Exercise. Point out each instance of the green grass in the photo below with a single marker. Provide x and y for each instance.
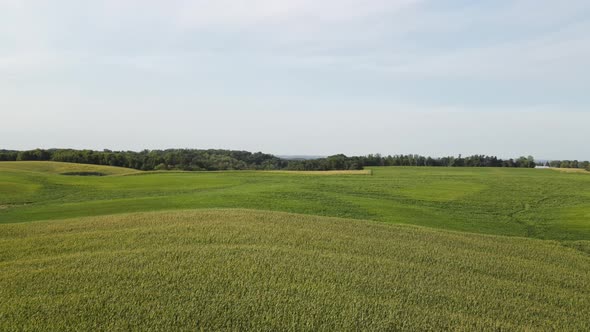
(59, 168)
(293, 250)
(259, 270)
(518, 202)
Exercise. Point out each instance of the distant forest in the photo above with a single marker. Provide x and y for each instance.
(217, 160)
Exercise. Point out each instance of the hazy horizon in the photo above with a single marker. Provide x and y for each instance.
(298, 156)
(436, 78)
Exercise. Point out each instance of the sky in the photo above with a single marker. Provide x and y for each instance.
(306, 77)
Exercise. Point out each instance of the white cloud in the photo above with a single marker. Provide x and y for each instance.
(231, 12)
(559, 55)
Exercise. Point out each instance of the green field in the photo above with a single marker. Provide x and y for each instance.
(392, 249)
(519, 202)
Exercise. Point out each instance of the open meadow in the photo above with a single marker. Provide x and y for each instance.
(393, 248)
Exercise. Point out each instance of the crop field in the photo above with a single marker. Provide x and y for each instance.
(243, 269)
(87, 247)
(519, 202)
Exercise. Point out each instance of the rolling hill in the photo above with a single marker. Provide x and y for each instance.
(259, 270)
(395, 248)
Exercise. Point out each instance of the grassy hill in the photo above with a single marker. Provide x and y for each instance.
(86, 247)
(518, 202)
(261, 270)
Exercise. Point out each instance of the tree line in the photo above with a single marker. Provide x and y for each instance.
(568, 164)
(358, 162)
(217, 160)
(149, 160)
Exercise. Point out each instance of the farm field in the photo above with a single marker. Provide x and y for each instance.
(235, 269)
(518, 202)
(86, 247)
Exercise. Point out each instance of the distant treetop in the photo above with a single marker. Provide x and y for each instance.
(215, 160)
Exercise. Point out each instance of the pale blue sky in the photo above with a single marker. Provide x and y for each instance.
(496, 77)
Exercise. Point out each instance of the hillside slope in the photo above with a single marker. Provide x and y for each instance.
(243, 269)
(53, 167)
(521, 202)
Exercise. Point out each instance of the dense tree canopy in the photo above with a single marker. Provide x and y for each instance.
(213, 160)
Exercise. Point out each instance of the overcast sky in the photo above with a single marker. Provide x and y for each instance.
(502, 77)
